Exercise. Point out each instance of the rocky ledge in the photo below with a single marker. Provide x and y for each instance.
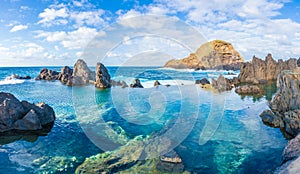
(260, 71)
(284, 113)
(16, 115)
(290, 157)
(216, 54)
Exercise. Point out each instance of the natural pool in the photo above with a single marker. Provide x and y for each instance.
(237, 140)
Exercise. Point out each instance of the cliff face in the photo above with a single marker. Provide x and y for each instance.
(285, 114)
(212, 55)
(258, 70)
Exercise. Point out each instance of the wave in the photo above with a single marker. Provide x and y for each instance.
(10, 80)
(199, 71)
(180, 70)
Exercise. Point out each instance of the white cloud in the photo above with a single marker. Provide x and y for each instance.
(18, 28)
(92, 18)
(76, 39)
(53, 16)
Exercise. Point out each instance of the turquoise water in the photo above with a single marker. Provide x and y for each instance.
(238, 142)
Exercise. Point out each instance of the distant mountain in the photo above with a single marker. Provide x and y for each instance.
(216, 54)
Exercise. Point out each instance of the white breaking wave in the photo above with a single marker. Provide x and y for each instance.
(11, 81)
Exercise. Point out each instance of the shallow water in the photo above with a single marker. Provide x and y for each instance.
(223, 132)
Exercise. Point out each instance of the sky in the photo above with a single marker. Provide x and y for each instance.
(149, 32)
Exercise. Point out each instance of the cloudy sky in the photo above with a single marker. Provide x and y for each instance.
(57, 32)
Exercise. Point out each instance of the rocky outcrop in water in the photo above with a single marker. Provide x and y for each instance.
(156, 83)
(102, 77)
(216, 54)
(259, 71)
(47, 74)
(136, 84)
(16, 76)
(81, 74)
(203, 81)
(65, 74)
(222, 83)
(286, 103)
(16, 115)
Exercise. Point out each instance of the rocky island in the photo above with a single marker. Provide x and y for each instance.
(216, 54)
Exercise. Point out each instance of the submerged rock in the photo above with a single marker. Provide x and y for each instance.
(102, 77)
(47, 74)
(134, 157)
(248, 89)
(259, 71)
(136, 84)
(16, 115)
(171, 157)
(216, 54)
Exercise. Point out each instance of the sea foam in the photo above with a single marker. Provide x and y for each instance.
(11, 81)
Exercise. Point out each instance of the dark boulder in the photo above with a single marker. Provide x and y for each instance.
(203, 81)
(16, 115)
(156, 83)
(136, 84)
(102, 77)
(65, 74)
(47, 74)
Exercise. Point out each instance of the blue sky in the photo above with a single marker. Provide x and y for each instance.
(47, 32)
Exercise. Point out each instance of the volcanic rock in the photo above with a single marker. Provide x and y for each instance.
(102, 77)
(259, 71)
(203, 81)
(47, 74)
(16, 115)
(136, 84)
(216, 54)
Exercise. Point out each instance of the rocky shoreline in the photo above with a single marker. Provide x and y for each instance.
(284, 111)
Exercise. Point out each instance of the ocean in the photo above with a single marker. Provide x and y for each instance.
(223, 134)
